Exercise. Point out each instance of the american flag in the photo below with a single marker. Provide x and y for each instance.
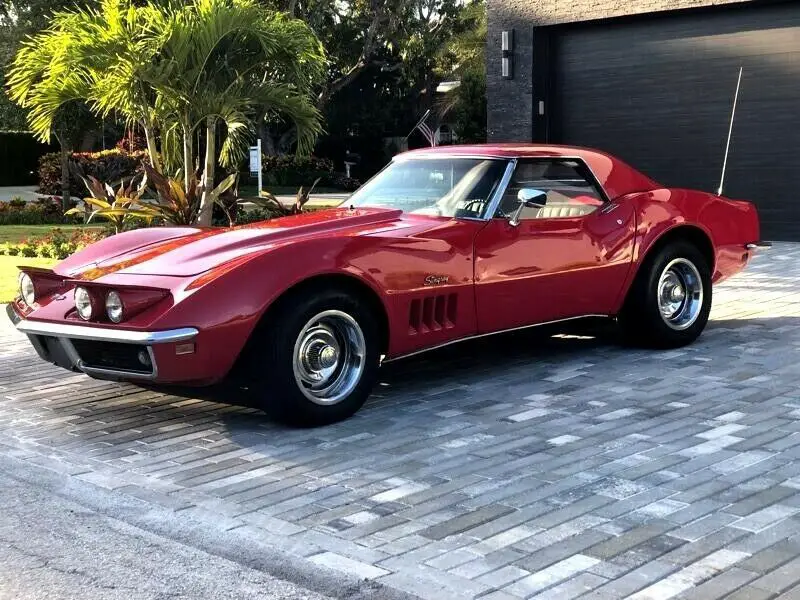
(425, 130)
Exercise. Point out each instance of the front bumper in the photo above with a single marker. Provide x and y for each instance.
(759, 245)
(103, 353)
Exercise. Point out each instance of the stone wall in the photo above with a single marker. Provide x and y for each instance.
(510, 115)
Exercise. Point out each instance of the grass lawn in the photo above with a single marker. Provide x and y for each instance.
(9, 273)
(17, 233)
(250, 190)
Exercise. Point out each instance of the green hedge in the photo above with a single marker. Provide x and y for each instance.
(46, 211)
(293, 171)
(108, 166)
(19, 155)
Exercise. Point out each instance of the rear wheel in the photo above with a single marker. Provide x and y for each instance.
(670, 300)
(316, 359)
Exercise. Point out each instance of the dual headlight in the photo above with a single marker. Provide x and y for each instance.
(84, 303)
(86, 307)
(26, 289)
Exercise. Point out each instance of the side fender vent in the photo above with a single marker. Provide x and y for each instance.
(432, 313)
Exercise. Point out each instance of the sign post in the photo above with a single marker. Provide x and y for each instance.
(255, 163)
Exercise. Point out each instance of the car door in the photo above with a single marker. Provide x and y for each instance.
(565, 259)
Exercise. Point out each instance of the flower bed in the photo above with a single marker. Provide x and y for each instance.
(56, 244)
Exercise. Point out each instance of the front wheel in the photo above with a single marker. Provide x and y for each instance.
(316, 359)
(670, 300)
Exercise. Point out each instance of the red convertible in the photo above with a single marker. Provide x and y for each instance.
(443, 245)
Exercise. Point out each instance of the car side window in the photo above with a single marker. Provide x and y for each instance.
(570, 189)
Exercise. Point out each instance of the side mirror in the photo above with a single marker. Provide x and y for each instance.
(528, 198)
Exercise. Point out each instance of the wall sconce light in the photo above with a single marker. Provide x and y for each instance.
(507, 68)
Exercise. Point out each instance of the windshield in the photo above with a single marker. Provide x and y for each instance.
(440, 187)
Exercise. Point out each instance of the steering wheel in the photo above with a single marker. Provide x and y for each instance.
(472, 207)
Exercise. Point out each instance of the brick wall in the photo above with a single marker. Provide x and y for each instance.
(511, 101)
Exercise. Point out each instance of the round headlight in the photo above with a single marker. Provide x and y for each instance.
(114, 308)
(27, 289)
(83, 303)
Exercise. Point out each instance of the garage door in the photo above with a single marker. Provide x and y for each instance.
(658, 92)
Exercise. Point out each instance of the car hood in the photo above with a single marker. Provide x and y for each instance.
(187, 251)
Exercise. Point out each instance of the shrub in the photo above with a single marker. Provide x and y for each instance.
(348, 184)
(288, 169)
(109, 165)
(27, 249)
(132, 141)
(17, 202)
(45, 212)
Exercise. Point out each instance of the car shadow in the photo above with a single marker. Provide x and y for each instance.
(438, 380)
(426, 373)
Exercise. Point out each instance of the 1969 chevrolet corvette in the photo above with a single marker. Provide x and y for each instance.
(442, 245)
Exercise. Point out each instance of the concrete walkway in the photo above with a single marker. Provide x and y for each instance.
(26, 192)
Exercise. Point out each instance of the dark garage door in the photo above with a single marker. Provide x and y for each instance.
(658, 92)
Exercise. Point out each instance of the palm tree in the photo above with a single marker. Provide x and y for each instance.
(94, 55)
(230, 62)
(176, 68)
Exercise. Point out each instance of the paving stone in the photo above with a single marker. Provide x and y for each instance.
(348, 565)
(560, 571)
(719, 586)
(690, 576)
(465, 522)
(566, 467)
(629, 539)
(704, 526)
(780, 579)
(772, 557)
(765, 517)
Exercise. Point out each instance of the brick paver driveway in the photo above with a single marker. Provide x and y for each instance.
(514, 468)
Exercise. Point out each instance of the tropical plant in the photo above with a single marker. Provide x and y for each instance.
(270, 205)
(176, 69)
(118, 206)
(179, 205)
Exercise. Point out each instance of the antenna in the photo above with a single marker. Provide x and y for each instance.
(730, 133)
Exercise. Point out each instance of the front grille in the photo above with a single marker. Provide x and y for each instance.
(113, 355)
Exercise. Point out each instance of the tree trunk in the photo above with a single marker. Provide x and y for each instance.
(188, 159)
(207, 202)
(152, 151)
(66, 196)
(267, 139)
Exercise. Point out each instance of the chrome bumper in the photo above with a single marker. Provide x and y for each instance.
(54, 343)
(758, 245)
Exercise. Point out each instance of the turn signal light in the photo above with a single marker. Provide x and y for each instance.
(184, 349)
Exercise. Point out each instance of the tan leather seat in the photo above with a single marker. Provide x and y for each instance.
(555, 211)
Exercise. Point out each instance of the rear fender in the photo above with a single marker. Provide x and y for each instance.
(720, 227)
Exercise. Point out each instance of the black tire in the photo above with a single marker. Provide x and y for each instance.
(270, 365)
(641, 320)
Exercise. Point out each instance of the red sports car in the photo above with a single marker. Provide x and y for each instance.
(443, 245)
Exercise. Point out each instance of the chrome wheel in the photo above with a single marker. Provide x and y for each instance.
(329, 357)
(680, 294)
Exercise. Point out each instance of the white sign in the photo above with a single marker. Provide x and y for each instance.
(255, 160)
(255, 163)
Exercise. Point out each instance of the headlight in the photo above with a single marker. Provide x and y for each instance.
(83, 303)
(27, 289)
(114, 308)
